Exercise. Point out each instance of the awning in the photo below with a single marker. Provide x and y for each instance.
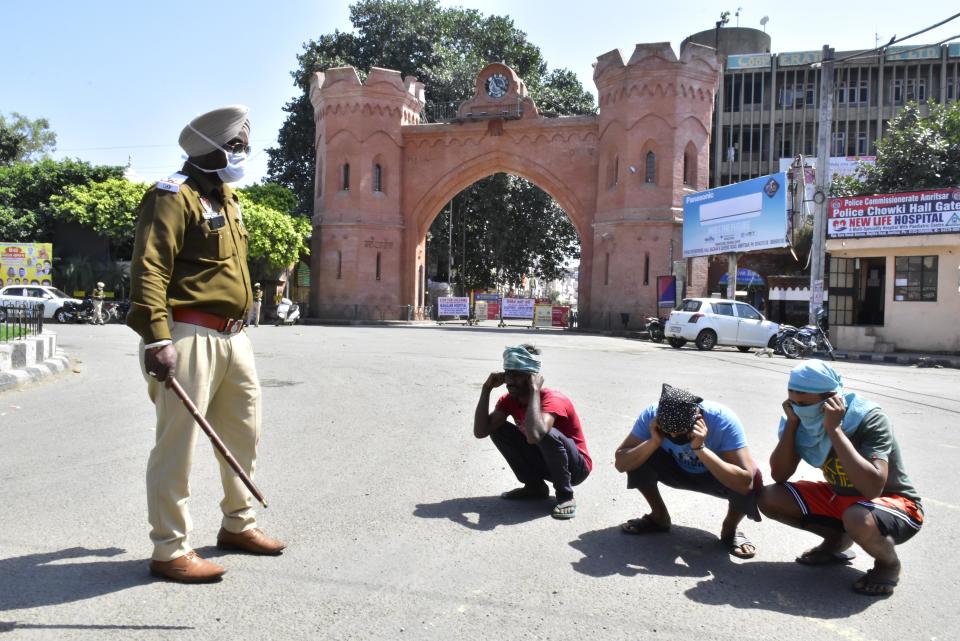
(745, 278)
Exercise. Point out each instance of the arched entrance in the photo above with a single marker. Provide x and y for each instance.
(382, 176)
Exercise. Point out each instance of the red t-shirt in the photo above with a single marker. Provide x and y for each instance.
(565, 417)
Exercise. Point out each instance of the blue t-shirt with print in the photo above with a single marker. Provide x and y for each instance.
(724, 434)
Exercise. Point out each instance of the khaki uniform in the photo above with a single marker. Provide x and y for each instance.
(255, 310)
(98, 305)
(191, 252)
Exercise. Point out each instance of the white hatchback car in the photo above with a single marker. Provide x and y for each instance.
(51, 297)
(718, 321)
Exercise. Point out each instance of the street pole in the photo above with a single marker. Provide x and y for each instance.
(450, 245)
(818, 245)
(732, 275)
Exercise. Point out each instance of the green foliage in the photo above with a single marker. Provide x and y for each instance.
(917, 153)
(276, 239)
(271, 195)
(23, 140)
(108, 207)
(26, 190)
(445, 48)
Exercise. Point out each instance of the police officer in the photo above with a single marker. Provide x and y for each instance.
(257, 302)
(98, 304)
(190, 295)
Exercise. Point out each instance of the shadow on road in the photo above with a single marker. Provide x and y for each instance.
(778, 586)
(52, 578)
(490, 511)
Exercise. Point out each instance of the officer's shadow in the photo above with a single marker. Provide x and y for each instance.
(484, 512)
(780, 586)
(52, 578)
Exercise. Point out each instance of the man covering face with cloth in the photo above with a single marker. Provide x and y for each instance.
(545, 440)
(190, 295)
(866, 498)
(688, 443)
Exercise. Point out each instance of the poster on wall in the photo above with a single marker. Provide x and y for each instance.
(26, 264)
(901, 214)
(666, 291)
(743, 217)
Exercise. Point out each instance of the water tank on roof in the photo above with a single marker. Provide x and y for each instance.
(731, 41)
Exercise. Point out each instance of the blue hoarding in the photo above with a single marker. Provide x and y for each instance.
(746, 216)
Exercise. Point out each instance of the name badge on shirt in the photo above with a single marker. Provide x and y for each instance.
(215, 220)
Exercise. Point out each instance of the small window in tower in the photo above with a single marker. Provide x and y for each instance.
(377, 178)
(650, 176)
(345, 179)
(339, 265)
(378, 265)
(646, 268)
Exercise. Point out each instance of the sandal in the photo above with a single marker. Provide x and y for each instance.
(644, 525)
(565, 510)
(816, 556)
(527, 493)
(872, 584)
(735, 545)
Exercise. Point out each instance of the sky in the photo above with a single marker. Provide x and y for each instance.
(118, 80)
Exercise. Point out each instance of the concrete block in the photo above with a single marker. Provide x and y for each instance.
(40, 345)
(6, 355)
(18, 358)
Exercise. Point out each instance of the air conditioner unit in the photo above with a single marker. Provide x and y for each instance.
(731, 209)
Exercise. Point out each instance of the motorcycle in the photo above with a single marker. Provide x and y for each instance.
(655, 329)
(808, 339)
(288, 312)
(118, 312)
(72, 312)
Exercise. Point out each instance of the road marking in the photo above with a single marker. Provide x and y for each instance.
(941, 503)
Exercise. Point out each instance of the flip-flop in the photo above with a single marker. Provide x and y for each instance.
(870, 580)
(822, 557)
(526, 493)
(644, 525)
(565, 510)
(735, 543)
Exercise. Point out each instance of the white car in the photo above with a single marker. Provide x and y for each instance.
(51, 297)
(709, 322)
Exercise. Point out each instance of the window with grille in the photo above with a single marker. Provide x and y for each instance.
(915, 278)
(650, 175)
(377, 178)
(841, 285)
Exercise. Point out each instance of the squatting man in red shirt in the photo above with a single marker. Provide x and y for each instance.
(545, 440)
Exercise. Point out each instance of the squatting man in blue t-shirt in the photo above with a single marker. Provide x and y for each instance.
(691, 444)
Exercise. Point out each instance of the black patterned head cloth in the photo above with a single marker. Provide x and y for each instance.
(677, 411)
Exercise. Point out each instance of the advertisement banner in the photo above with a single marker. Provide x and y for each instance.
(453, 306)
(744, 217)
(518, 308)
(561, 315)
(543, 316)
(493, 311)
(902, 214)
(480, 310)
(666, 291)
(494, 297)
(26, 264)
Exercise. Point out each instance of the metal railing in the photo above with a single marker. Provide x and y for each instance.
(356, 312)
(20, 320)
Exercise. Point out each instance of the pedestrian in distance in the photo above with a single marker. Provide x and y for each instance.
(865, 498)
(190, 297)
(257, 303)
(544, 442)
(98, 297)
(691, 444)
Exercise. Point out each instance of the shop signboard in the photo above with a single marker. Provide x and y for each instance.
(900, 214)
(743, 217)
(543, 315)
(26, 264)
(749, 61)
(561, 315)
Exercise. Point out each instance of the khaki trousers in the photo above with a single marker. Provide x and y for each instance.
(98, 311)
(255, 314)
(218, 372)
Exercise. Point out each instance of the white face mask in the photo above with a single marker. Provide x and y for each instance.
(236, 163)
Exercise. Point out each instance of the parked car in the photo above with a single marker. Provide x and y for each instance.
(51, 297)
(709, 322)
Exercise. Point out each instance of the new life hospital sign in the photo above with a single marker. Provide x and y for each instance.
(902, 214)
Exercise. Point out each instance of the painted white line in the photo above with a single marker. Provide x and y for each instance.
(940, 503)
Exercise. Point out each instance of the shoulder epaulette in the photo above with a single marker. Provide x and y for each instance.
(171, 183)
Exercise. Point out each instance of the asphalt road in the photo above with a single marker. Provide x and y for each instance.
(390, 507)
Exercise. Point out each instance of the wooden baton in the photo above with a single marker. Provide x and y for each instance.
(217, 443)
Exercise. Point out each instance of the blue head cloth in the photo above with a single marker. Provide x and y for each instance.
(813, 444)
(519, 359)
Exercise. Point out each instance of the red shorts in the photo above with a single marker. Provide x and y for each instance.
(896, 516)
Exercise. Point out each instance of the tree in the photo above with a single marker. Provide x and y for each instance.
(107, 207)
(26, 189)
(277, 239)
(444, 48)
(917, 153)
(273, 196)
(22, 139)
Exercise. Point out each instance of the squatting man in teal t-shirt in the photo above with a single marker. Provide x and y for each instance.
(688, 443)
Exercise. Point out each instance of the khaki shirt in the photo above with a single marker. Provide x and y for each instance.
(181, 259)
